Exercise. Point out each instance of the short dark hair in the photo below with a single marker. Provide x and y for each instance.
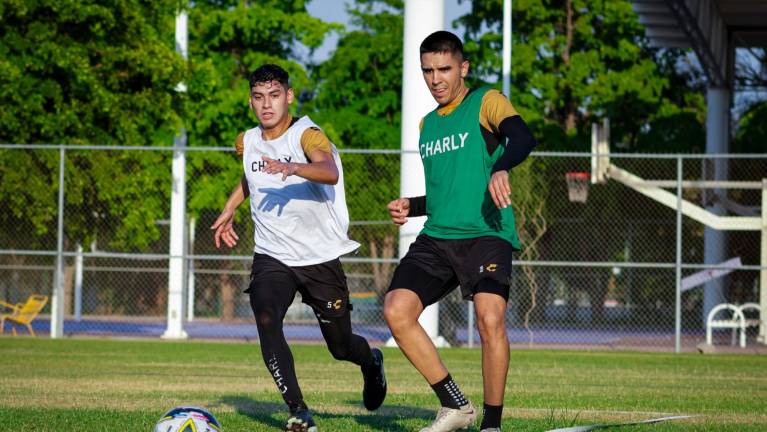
(442, 42)
(268, 73)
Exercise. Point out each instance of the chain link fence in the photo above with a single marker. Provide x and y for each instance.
(611, 272)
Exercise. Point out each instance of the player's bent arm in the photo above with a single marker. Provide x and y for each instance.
(499, 116)
(321, 168)
(417, 206)
(318, 149)
(521, 143)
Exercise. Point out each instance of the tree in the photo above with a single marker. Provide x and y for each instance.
(86, 73)
(751, 136)
(358, 103)
(578, 61)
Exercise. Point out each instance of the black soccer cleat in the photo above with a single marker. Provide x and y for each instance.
(374, 392)
(301, 421)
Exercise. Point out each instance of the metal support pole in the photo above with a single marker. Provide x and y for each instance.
(717, 142)
(190, 274)
(470, 329)
(678, 278)
(763, 271)
(175, 329)
(57, 299)
(79, 284)
(507, 48)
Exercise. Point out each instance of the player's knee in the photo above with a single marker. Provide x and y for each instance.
(397, 317)
(491, 323)
(401, 309)
(339, 351)
(265, 320)
(391, 314)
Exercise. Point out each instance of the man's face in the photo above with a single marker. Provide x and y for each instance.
(270, 101)
(444, 74)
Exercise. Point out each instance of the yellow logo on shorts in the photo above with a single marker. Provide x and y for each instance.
(337, 304)
(491, 267)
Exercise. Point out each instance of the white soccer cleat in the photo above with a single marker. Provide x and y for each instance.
(451, 419)
(491, 430)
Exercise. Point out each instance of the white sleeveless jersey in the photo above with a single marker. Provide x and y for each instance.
(297, 221)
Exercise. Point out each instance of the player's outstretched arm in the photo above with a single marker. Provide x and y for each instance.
(224, 225)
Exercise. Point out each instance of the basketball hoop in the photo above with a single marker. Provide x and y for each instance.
(577, 186)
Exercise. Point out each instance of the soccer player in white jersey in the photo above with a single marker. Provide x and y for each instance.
(294, 178)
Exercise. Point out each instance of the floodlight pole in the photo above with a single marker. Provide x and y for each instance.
(422, 17)
(175, 328)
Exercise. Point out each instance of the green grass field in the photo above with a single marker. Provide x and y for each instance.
(108, 385)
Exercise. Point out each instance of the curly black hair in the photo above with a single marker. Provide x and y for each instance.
(268, 73)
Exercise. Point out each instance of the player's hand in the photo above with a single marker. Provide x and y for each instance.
(274, 166)
(499, 189)
(224, 229)
(398, 210)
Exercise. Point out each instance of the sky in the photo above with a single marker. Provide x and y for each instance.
(335, 11)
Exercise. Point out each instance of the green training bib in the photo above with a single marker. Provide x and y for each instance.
(457, 169)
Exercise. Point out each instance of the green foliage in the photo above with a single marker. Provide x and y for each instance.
(567, 74)
(751, 136)
(88, 73)
(358, 103)
(78, 72)
(82, 72)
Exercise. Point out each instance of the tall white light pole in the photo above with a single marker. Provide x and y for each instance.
(422, 18)
(175, 328)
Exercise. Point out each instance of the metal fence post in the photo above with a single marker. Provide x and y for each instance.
(470, 325)
(79, 284)
(678, 278)
(57, 299)
(763, 263)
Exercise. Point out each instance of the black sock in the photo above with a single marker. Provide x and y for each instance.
(449, 394)
(491, 416)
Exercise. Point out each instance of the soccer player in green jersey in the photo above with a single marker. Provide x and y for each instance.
(467, 146)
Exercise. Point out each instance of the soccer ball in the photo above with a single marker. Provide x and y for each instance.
(187, 419)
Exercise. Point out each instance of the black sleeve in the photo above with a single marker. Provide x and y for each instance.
(521, 143)
(417, 206)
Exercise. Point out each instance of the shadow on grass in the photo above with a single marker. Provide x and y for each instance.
(387, 418)
(260, 412)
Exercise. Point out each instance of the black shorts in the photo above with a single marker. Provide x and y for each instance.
(433, 267)
(322, 286)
